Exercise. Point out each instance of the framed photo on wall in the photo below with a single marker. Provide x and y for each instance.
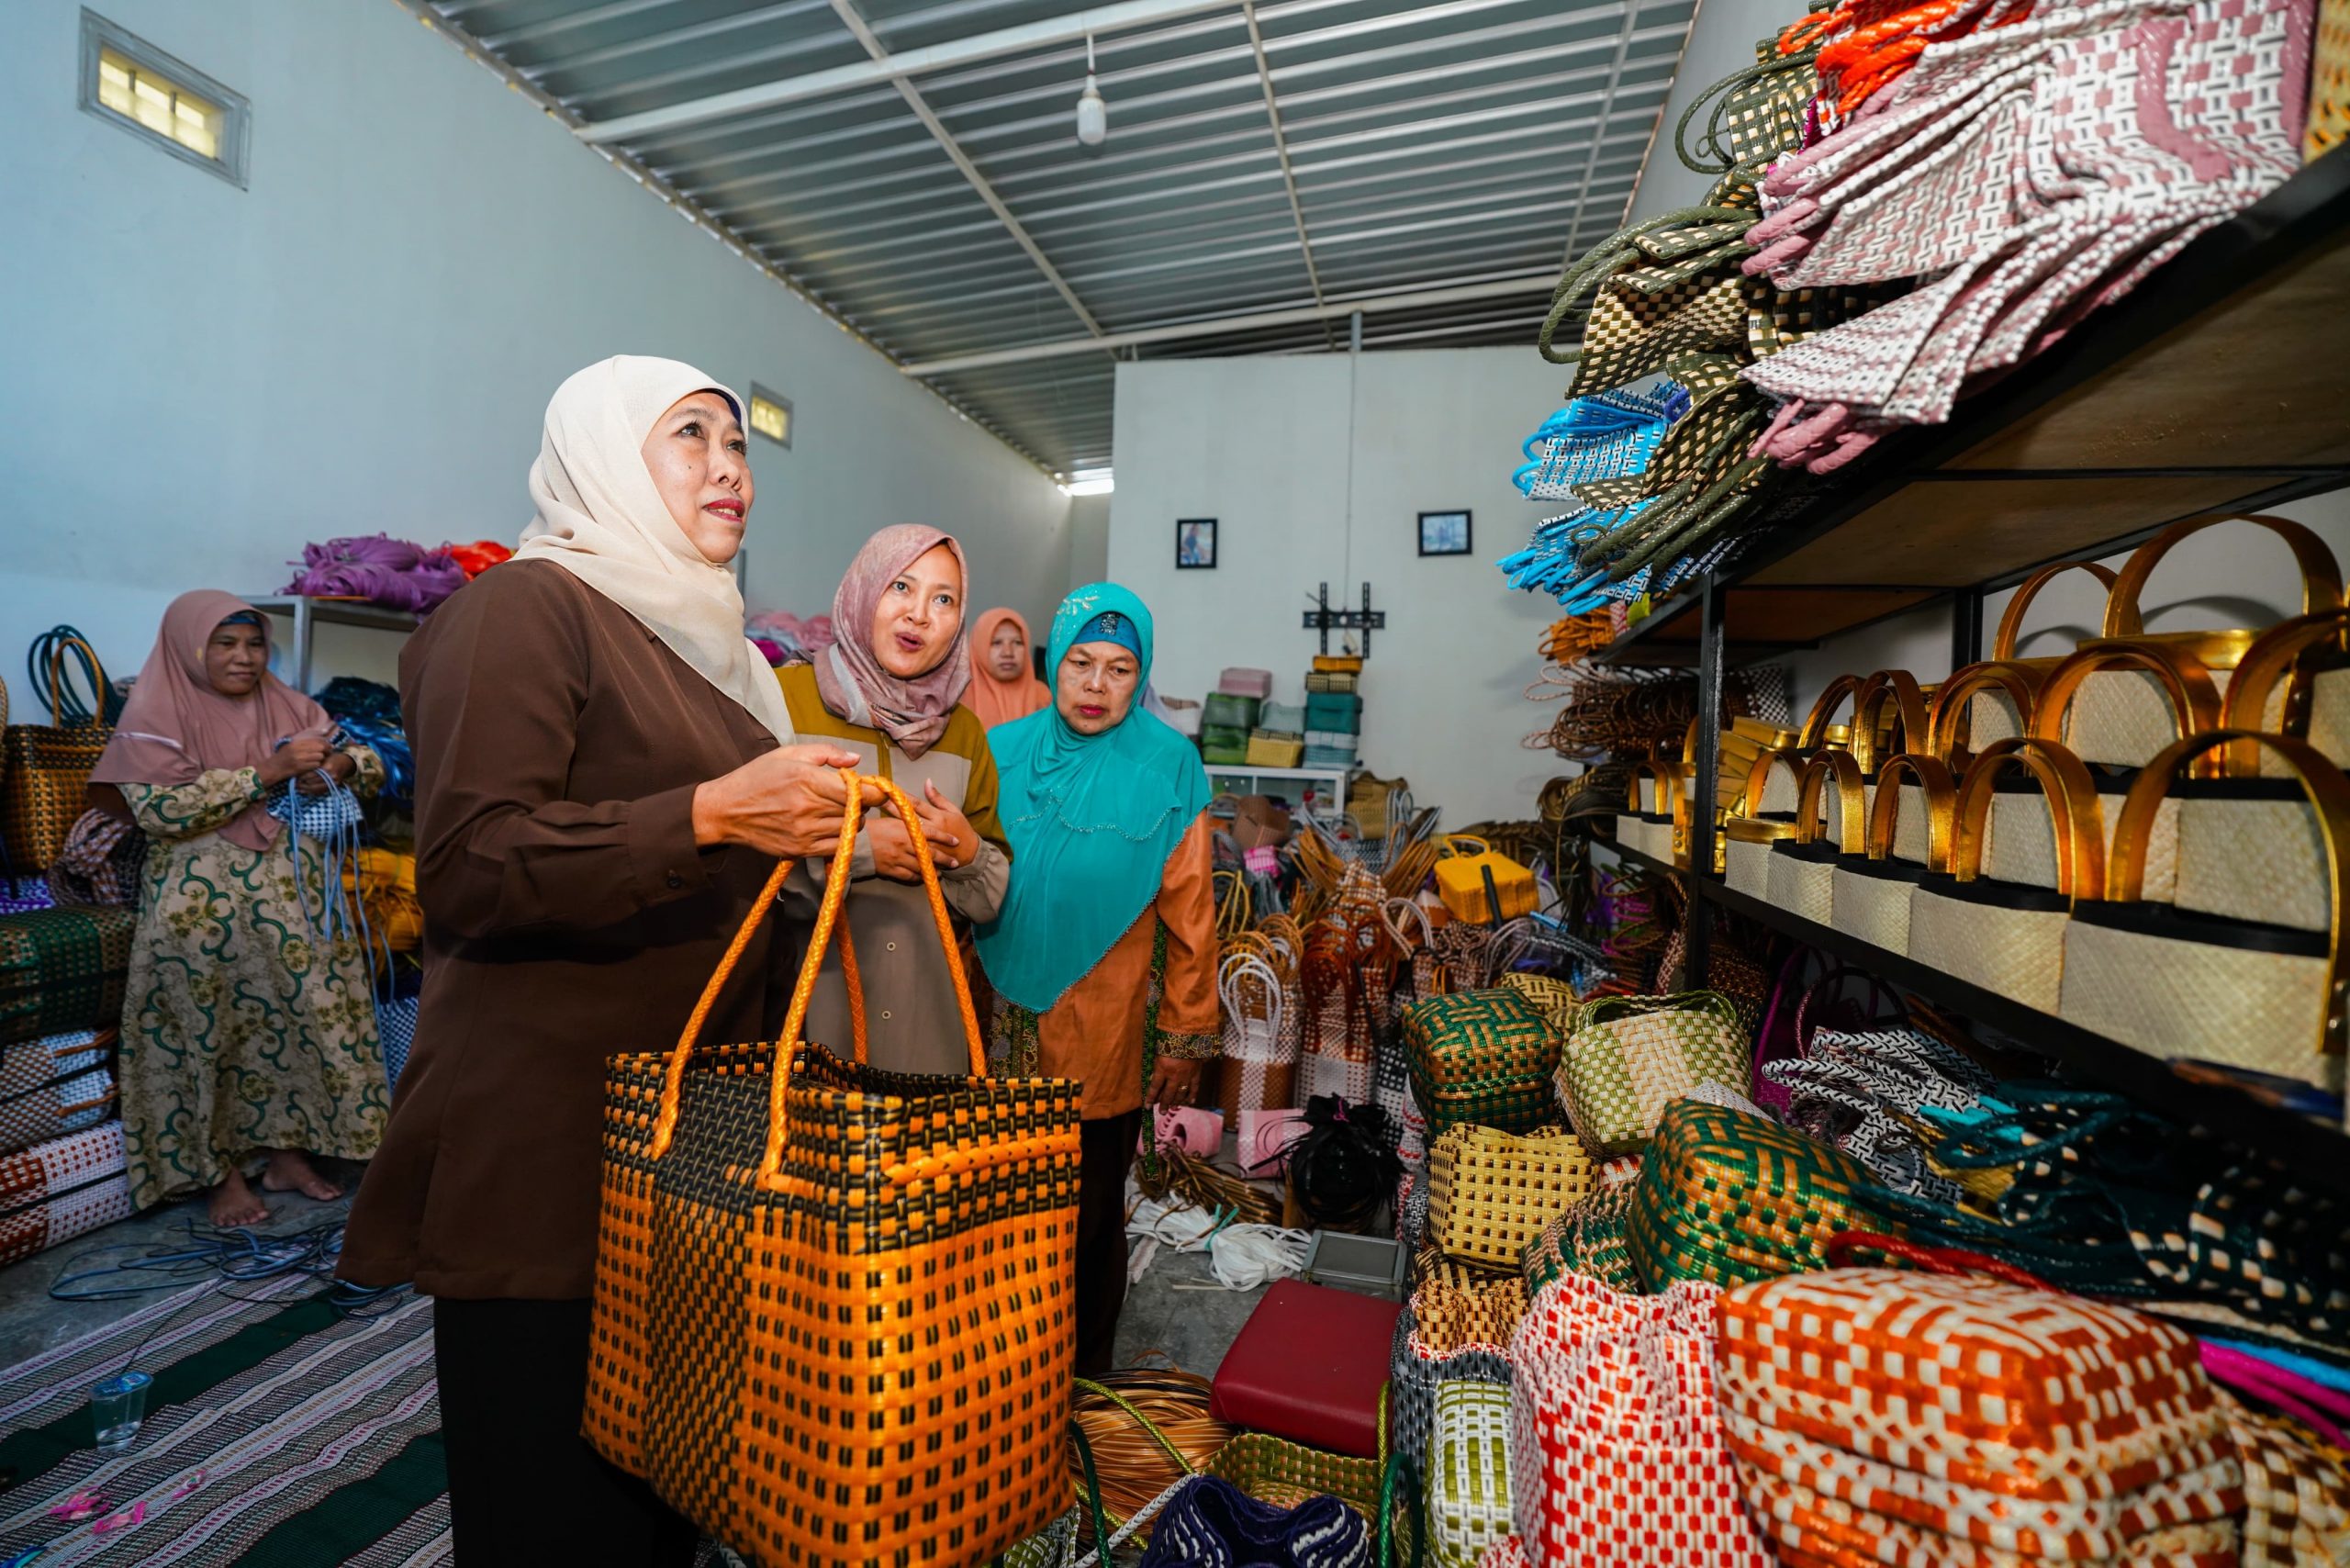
(1195, 543)
(1444, 533)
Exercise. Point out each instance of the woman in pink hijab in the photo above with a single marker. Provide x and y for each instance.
(247, 1033)
(891, 688)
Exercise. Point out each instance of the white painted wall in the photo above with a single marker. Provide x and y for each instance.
(198, 378)
(1721, 41)
(1316, 468)
(1089, 542)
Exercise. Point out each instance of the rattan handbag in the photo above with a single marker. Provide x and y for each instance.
(2124, 716)
(1831, 823)
(1631, 1056)
(44, 769)
(1908, 840)
(2251, 983)
(832, 1310)
(1480, 1057)
(1980, 706)
(1728, 1198)
(1991, 713)
(2009, 936)
(2292, 681)
(1764, 814)
(1491, 1192)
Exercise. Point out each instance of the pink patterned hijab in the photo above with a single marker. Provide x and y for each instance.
(855, 687)
(175, 727)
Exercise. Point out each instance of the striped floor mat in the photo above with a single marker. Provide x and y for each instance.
(278, 1435)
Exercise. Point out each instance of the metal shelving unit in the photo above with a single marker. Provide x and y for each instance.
(306, 613)
(2219, 386)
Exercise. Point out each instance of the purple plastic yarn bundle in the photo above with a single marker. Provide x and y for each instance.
(379, 569)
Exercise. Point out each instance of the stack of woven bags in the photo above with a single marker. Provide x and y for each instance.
(62, 968)
(62, 1171)
(1909, 1317)
(1333, 711)
(1230, 715)
(1908, 202)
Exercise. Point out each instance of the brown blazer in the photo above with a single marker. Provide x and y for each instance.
(568, 915)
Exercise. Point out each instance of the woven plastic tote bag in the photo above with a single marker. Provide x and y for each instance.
(44, 769)
(834, 1320)
(1480, 1057)
(1617, 1456)
(1728, 1197)
(1630, 1057)
(1468, 1473)
(1489, 1192)
(2062, 1429)
(2250, 993)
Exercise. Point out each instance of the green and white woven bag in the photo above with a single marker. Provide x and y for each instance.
(1467, 1492)
(1630, 1057)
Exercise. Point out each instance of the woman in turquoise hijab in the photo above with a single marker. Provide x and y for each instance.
(1111, 902)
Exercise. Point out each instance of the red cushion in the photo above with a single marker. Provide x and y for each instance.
(1308, 1366)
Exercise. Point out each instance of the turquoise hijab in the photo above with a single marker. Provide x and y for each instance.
(1092, 819)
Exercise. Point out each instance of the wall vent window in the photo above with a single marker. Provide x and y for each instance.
(166, 101)
(770, 415)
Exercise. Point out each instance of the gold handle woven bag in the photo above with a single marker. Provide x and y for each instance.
(1909, 838)
(2248, 992)
(833, 1321)
(2006, 937)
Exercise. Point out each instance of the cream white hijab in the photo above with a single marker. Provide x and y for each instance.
(602, 519)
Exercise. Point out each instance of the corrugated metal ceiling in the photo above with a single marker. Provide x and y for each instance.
(946, 212)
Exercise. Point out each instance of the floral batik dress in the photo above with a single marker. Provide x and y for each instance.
(242, 1027)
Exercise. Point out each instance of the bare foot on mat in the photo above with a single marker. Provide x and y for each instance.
(290, 1171)
(234, 1205)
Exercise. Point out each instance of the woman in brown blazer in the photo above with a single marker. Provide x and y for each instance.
(605, 774)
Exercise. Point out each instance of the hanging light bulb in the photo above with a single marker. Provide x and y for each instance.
(1092, 113)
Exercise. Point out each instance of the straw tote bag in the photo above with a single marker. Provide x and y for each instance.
(2016, 846)
(2009, 937)
(1890, 716)
(1830, 821)
(2012, 691)
(1991, 716)
(2120, 716)
(2247, 993)
(2310, 655)
(1766, 814)
(1647, 826)
(834, 1320)
(44, 769)
(1908, 839)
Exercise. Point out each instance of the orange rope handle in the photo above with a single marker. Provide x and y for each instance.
(665, 1125)
(827, 918)
(855, 983)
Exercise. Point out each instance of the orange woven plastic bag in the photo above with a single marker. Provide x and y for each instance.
(1976, 1421)
(834, 1320)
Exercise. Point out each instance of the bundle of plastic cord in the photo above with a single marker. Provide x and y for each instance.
(389, 743)
(1178, 1177)
(477, 557)
(379, 569)
(228, 1257)
(1244, 1256)
(333, 819)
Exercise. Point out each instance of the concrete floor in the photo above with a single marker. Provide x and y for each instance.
(30, 1322)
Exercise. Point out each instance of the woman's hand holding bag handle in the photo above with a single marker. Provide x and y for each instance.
(836, 885)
